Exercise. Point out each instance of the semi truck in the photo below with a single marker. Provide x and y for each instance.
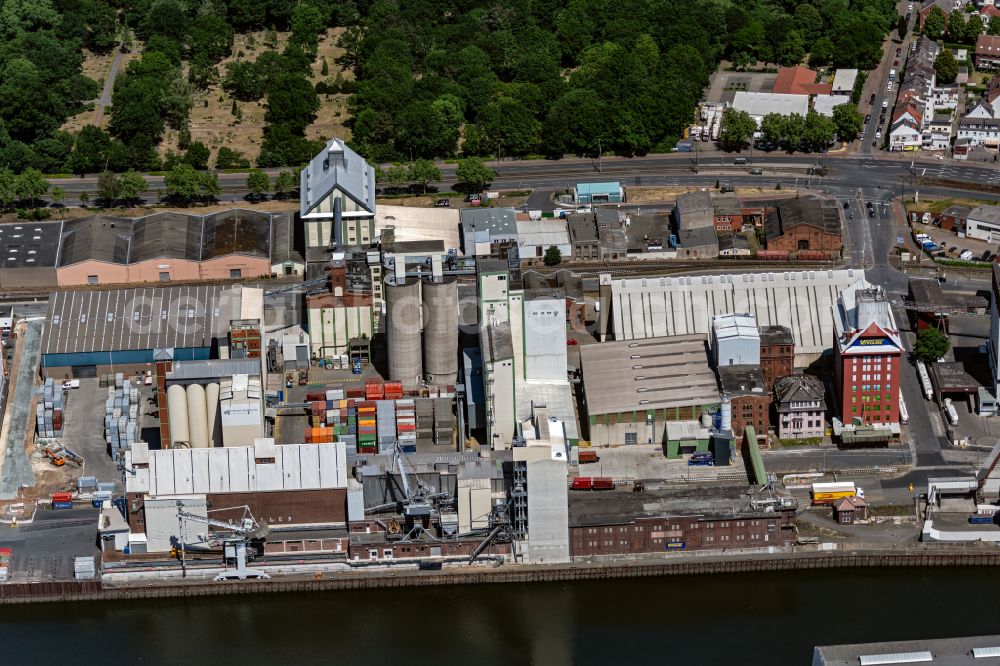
(828, 493)
(925, 380)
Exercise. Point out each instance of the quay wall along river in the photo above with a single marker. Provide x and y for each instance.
(750, 617)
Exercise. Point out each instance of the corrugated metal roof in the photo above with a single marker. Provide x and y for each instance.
(29, 244)
(213, 368)
(97, 238)
(143, 318)
(336, 167)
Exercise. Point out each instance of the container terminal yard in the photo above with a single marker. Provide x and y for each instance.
(390, 393)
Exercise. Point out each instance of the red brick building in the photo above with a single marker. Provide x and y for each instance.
(777, 354)
(804, 224)
(867, 356)
(751, 402)
(622, 523)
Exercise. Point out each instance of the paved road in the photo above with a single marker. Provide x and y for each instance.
(109, 86)
(44, 550)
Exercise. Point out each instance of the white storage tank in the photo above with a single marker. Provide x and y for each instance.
(212, 399)
(197, 416)
(727, 415)
(177, 417)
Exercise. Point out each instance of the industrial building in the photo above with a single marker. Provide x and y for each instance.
(123, 330)
(422, 329)
(337, 198)
(411, 223)
(633, 388)
(805, 225)
(962, 651)
(30, 254)
(598, 193)
(346, 312)
(535, 237)
(867, 356)
(662, 521)
(983, 223)
(750, 402)
(487, 231)
(735, 340)
(682, 305)
(285, 486)
(760, 104)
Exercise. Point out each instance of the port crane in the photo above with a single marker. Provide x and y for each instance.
(418, 496)
(234, 545)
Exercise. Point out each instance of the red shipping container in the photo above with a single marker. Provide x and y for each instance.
(588, 456)
(62, 497)
(313, 397)
(583, 483)
(603, 483)
(356, 393)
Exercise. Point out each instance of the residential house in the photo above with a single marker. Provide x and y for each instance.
(585, 232)
(732, 244)
(804, 224)
(987, 54)
(993, 90)
(697, 243)
(905, 135)
(946, 6)
(850, 510)
(801, 407)
(945, 96)
(647, 236)
(727, 214)
(694, 210)
(982, 109)
(980, 131)
(799, 80)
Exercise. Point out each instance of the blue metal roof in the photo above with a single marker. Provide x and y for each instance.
(599, 188)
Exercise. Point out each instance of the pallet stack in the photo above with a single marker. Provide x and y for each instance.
(49, 410)
(121, 414)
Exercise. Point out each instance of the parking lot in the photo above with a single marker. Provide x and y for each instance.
(44, 550)
(953, 244)
(646, 461)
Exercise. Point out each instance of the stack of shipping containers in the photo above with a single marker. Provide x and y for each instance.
(367, 436)
(406, 424)
(385, 416)
(121, 414)
(444, 422)
(425, 423)
(49, 410)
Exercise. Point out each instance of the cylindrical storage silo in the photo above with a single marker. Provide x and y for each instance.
(212, 401)
(197, 416)
(177, 417)
(403, 326)
(727, 414)
(440, 330)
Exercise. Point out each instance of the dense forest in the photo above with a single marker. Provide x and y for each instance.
(432, 78)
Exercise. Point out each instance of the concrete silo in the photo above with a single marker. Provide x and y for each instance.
(403, 326)
(177, 417)
(212, 401)
(440, 298)
(197, 416)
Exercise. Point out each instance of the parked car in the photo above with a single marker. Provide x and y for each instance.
(71, 384)
(878, 134)
(885, 104)
(872, 100)
(867, 118)
(701, 459)
(442, 203)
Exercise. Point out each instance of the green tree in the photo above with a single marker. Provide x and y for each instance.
(397, 175)
(737, 129)
(258, 183)
(132, 185)
(956, 27)
(902, 27)
(325, 69)
(973, 29)
(182, 183)
(473, 173)
(108, 187)
(227, 158)
(848, 121)
(553, 256)
(818, 130)
(58, 195)
(307, 21)
(244, 81)
(946, 66)
(994, 26)
(935, 23)
(821, 53)
(90, 151)
(84, 199)
(31, 186)
(197, 155)
(772, 126)
(285, 183)
(208, 184)
(931, 345)
(8, 188)
(422, 173)
(291, 101)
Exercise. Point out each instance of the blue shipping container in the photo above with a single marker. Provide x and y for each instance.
(62, 505)
(977, 519)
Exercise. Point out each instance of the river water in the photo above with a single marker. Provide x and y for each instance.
(767, 618)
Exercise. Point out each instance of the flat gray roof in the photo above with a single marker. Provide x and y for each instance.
(139, 319)
(213, 368)
(943, 652)
(655, 373)
(29, 244)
